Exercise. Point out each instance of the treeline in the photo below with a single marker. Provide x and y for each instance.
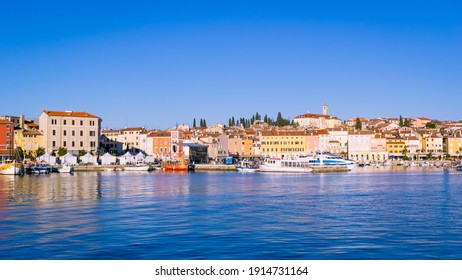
(247, 122)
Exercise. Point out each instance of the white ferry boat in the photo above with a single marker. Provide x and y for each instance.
(285, 165)
(328, 159)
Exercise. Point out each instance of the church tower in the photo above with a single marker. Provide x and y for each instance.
(325, 110)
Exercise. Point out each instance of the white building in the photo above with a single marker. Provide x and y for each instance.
(71, 130)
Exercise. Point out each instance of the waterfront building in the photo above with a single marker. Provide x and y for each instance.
(109, 141)
(222, 147)
(71, 130)
(239, 145)
(284, 144)
(312, 142)
(359, 145)
(433, 144)
(379, 148)
(319, 121)
(159, 144)
(211, 141)
(453, 145)
(6, 139)
(176, 143)
(323, 140)
(28, 140)
(396, 147)
(340, 135)
(412, 144)
(130, 138)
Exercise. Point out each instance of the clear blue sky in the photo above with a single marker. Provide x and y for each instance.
(157, 64)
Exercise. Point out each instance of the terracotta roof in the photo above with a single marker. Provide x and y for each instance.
(315, 116)
(110, 131)
(282, 133)
(69, 114)
(160, 134)
(33, 132)
(133, 129)
(362, 132)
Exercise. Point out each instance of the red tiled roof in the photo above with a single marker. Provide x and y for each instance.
(69, 114)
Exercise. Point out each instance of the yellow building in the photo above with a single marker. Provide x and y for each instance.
(28, 140)
(283, 143)
(395, 146)
(453, 145)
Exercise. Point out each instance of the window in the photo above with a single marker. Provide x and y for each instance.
(73, 122)
(92, 133)
(92, 144)
(64, 143)
(64, 132)
(81, 143)
(73, 132)
(81, 123)
(7, 126)
(54, 132)
(53, 143)
(73, 144)
(64, 122)
(81, 133)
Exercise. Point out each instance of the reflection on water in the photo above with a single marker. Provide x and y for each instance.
(370, 213)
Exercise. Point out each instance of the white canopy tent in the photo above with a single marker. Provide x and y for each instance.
(126, 158)
(107, 159)
(69, 159)
(51, 160)
(89, 158)
(150, 159)
(139, 157)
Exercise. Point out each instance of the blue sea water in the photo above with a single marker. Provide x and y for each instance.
(370, 213)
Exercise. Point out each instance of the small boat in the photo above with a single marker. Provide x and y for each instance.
(138, 166)
(459, 167)
(66, 168)
(285, 165)
(11, 168)
(248, 166)
(175, 165)
(39, 168)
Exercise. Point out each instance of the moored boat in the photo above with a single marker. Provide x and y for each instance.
(138, 167)
(11, 168)
(248, 166)
(175, 165)
(325, 159)
(285, 165)
(66, 168)
(459, 167)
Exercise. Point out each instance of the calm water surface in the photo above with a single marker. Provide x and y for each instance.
(370, 213)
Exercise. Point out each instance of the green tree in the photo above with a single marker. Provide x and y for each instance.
(265, 118)
(194, 123)
(401, 122)
(407, 123)
(279, 120)
(430, 125)
(358, 125)
(40, 152)
(82, 153)
(257, 117)
(19, 153)
(62, 151)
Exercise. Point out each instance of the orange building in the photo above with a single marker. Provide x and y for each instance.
(161, 142)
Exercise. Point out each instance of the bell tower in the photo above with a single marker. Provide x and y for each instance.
(325, 110)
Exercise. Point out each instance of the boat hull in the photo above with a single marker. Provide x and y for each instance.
(265, 168)
(137, 168)
(11, 169)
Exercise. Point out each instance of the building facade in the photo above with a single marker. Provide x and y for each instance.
(71, 130)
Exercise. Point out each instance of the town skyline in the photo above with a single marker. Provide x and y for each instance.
(173, 62)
